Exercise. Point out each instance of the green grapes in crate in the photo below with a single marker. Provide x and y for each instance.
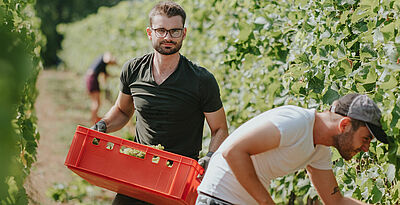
(133, 152)
(138, 153)
(159, 146)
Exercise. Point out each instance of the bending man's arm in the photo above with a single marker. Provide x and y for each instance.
(326, 185)
(120, 113)
(219, 129)
(252, 138)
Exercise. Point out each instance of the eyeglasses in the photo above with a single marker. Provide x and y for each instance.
(162, 32)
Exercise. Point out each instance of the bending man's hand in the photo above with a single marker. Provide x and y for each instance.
(100, 126)
(205, 160)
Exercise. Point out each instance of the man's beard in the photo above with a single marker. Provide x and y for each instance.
(344, 144)
(164, 51)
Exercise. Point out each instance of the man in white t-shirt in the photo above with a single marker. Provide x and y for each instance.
(285, 139)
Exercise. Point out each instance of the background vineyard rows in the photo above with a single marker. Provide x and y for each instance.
(264, 54)
(270, 53)
(20, 63)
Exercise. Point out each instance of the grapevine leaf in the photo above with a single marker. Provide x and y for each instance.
(390, 84)
(330, 96)
(390, 173)
(395, 115)
(388, 31)
(376, 195)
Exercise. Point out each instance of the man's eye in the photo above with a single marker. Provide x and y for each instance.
(161, 30)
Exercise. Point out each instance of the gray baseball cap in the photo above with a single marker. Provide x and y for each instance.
(361, 107)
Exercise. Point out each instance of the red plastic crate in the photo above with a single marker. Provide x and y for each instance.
(140, 178)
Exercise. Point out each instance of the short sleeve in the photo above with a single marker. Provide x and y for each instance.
(210, 95)
(124, 78)
(323, 160)
(291, 124)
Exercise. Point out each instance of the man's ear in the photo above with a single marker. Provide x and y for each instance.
(344, 124)
(148, 31)
(184, 33)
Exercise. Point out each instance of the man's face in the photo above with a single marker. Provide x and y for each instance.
(167, 45)
(350, 142)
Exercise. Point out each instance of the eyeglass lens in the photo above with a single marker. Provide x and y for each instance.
(175, 33)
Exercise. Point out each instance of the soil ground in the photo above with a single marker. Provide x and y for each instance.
(62, 104)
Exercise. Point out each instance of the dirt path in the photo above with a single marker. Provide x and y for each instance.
(62, 104)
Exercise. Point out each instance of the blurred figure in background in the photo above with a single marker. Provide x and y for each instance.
(92, 82)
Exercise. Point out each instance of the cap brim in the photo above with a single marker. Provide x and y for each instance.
(378, 133)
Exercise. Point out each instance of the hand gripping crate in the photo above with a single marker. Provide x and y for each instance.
(156, 176)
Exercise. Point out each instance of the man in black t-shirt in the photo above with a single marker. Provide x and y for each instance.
(171, 95)
(171, 113)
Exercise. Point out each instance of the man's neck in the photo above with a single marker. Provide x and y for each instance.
(164, 66)
(325, 127)
(165, 63)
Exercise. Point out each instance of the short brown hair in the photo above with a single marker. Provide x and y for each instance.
(355, 124)
(169, 9)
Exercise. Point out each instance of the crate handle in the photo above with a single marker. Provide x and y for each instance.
(110, 145)
(155, 159)
(169, 163)
(96, 141)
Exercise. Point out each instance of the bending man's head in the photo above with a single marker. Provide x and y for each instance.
(362, 108)
(359, 124)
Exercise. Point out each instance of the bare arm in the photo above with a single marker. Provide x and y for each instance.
(326, 185)
(219, 129)
(120, 113)
(252, 138)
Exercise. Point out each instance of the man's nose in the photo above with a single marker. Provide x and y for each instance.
(168, 36)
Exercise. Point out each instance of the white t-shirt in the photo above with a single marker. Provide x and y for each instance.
(296, 150)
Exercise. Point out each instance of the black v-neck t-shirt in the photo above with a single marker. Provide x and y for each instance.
(172, 113)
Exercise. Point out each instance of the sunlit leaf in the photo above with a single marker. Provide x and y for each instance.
(388, 31)
(245, 30)
(390, 173)
(358, 14)
(376, 195)
(390, 84)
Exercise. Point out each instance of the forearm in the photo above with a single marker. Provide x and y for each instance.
(351, 201)
(115, 119)
(217, 138)
(327, 187)
(243, 168)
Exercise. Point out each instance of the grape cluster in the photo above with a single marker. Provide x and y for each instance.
(133, 152)
(138, 153)
(159, 146)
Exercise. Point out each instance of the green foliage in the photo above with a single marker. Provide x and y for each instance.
(266, 54)
(78, 191)
(120, 30)
(19, 65)
(53, 12)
